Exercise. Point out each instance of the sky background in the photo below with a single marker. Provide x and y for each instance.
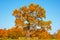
(52, 8)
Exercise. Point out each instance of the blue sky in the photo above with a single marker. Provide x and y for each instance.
(52, 8)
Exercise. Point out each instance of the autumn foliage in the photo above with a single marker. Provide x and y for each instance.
(3, 33)
(34, 15)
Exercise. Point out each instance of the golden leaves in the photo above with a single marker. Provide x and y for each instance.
(17, 13)
(42, 34)
(41, 13)
(24, 9)
(19, 22)
(32, 7)
(15, 32)
(45, 24)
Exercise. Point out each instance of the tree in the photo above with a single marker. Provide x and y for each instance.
(58, 34)
(3, 33)
(34, 15)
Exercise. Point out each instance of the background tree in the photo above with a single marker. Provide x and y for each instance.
(58, 34)
(3, 33)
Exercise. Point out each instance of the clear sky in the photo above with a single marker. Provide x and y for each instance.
(52, 8)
